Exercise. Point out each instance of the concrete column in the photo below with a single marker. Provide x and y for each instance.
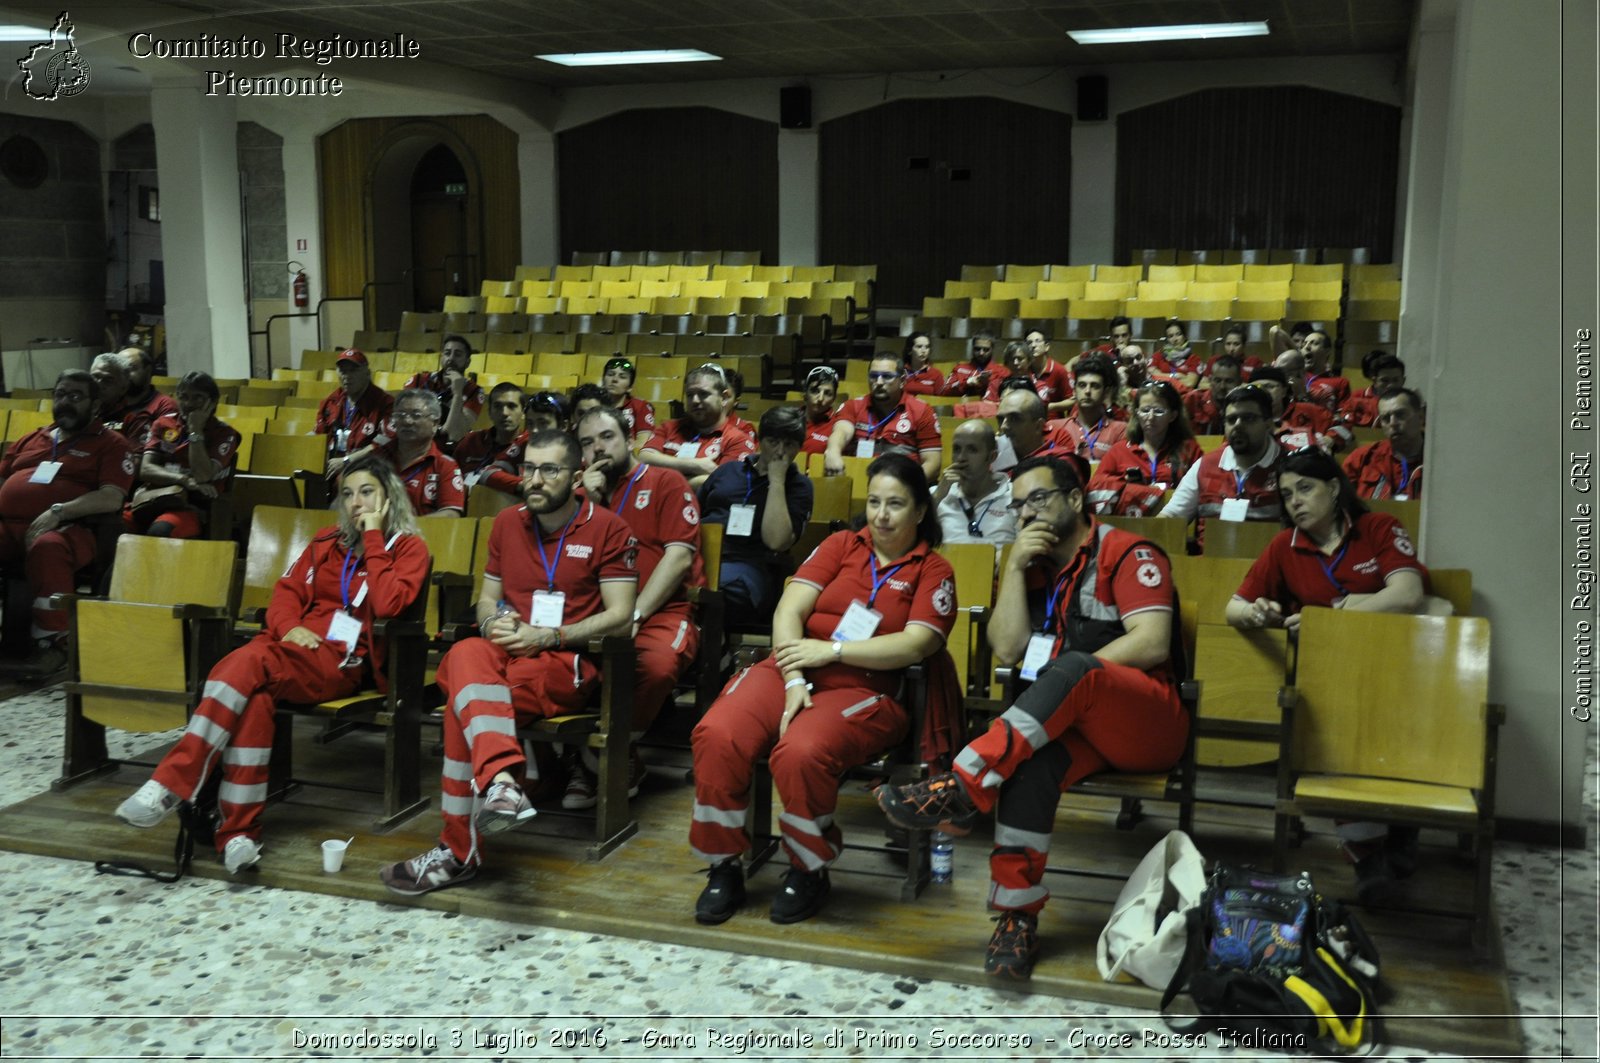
(1094, 191)
(541, 209)
(799, 206)
(303, 221)
(201, 245)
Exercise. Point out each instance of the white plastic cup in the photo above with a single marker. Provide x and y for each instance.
(333, 854)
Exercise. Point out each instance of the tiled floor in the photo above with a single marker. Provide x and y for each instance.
(109, 967)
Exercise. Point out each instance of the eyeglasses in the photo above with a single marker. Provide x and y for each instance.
(69, 396)
(544, 472)
(1154, 411)
(713, 367)
(1036, 500)
(414, 415)
(880, 375)
(619, 363)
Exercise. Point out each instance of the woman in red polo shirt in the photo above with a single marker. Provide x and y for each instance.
(921, 377)
(863, 606)
(316, 644)
(1150, 460)
(1336, 553)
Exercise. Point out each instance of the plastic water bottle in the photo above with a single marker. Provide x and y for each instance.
(942, 857)
(505, 610)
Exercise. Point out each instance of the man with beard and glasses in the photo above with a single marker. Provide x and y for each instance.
(460, 397)
(885, 421)
(664, 516)
(696, 443)
(1238, 481)
(491, 456)
(562, 570)
(51, 480)
(1087, 610)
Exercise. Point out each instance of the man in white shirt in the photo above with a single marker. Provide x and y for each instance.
(972, 500)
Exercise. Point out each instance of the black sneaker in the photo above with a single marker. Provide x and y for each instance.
(1376, 882)
(1014, 946)
(939, 803)
(723, 895)
(801, 897)
(1400, 848)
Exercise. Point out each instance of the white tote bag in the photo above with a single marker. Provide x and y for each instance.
(1167, 883)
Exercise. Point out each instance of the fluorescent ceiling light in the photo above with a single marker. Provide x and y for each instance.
(24, 33)
(647, 55)
(1195, 32)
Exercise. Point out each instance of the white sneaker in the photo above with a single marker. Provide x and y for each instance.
(149, 805)
(241, 854)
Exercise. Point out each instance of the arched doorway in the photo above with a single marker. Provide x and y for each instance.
(425, 221)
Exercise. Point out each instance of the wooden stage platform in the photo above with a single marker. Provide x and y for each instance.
(1442, 998)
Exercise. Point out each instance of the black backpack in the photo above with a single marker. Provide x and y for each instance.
(1271, 964)
(198, 820)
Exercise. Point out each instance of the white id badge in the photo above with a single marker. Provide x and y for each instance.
(361, 595)
(45, 472)
(1159, 487)
(741, 519)
(689, 451)
(858, 623)
(1235, 509)
(474, 477)
(345, 630)
(863, 448)
(1037, 655)
(549, 608)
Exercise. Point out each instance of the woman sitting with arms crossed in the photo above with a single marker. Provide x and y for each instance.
(1336, 553)
(1150, 460)
(863, 606)
(316, 644)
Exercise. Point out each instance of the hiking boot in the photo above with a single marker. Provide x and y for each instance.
(241, 854)
(939, 803)
(432, 870)
(148, 805)
(504, 807)
(1014, 946)
(801, 897)
(723, 895)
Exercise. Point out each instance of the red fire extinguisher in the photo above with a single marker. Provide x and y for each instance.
(302, 290)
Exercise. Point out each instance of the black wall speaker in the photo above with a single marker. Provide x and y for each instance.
(1093, 105)
(794, 107)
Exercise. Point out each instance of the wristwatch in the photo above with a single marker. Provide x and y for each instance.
(56, 508)
(636, 617)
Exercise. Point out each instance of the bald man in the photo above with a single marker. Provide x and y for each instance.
(1022, 421)
(972, 499)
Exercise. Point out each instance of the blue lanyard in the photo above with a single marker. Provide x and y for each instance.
(1404, 486)
(1329, 570)
(349, 410)
(623, 501)
(877, 583)
(874, 429)
(1155, 463)
(53, 434)
(1099, 427)
(346, 576)
(975, 523)
(412, 477)
(538, 542)
(749, 483)
(1054, 597)
(1238, 483)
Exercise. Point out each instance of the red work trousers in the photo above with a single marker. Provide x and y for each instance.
(486, 692)
(235, 719)
(667, 643)
(842, 728)
(1081, 716)
(50, 565)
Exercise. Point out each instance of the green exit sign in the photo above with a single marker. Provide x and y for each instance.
(456, 188)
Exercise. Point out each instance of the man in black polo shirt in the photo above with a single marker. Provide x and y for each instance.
(763, 500)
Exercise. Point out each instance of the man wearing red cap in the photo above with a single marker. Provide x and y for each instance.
(358, 416)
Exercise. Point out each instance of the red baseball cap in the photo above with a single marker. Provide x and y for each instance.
(351, 357)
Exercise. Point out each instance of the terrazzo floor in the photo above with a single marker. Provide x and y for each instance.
(99, 967)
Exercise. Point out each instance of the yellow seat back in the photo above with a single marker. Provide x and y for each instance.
(278, 536)
(284, 455)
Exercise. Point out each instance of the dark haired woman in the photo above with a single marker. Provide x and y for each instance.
(1150, 460)
(921, 377)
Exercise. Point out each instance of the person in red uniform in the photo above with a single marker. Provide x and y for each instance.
(460, 397)
(735, 389)
(1088, 611)
(863, 606)
(921, 376)
(1050, 378)
(1233, 346)
(1093, 429)
(1014, 365)
(1334, 553)
(561, 571)
(617, 378)
(186, 463)
(1238, 481)
(128, 403)
(664, 516)
(1322, 385)
(1387, 374)
(1158, 450)
(822, 387)
(51, 480)
(493, 455)
(355, 416)
(1023, 428)
(885, 421)
(1177, 361)
(702, 438)
(1392, 467)
(1119, 349)
(317, 644)
(972, 376)
(1204, 405)
(432, 480)
(1296, 425)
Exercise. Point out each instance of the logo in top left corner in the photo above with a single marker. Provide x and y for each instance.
(55, 69)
